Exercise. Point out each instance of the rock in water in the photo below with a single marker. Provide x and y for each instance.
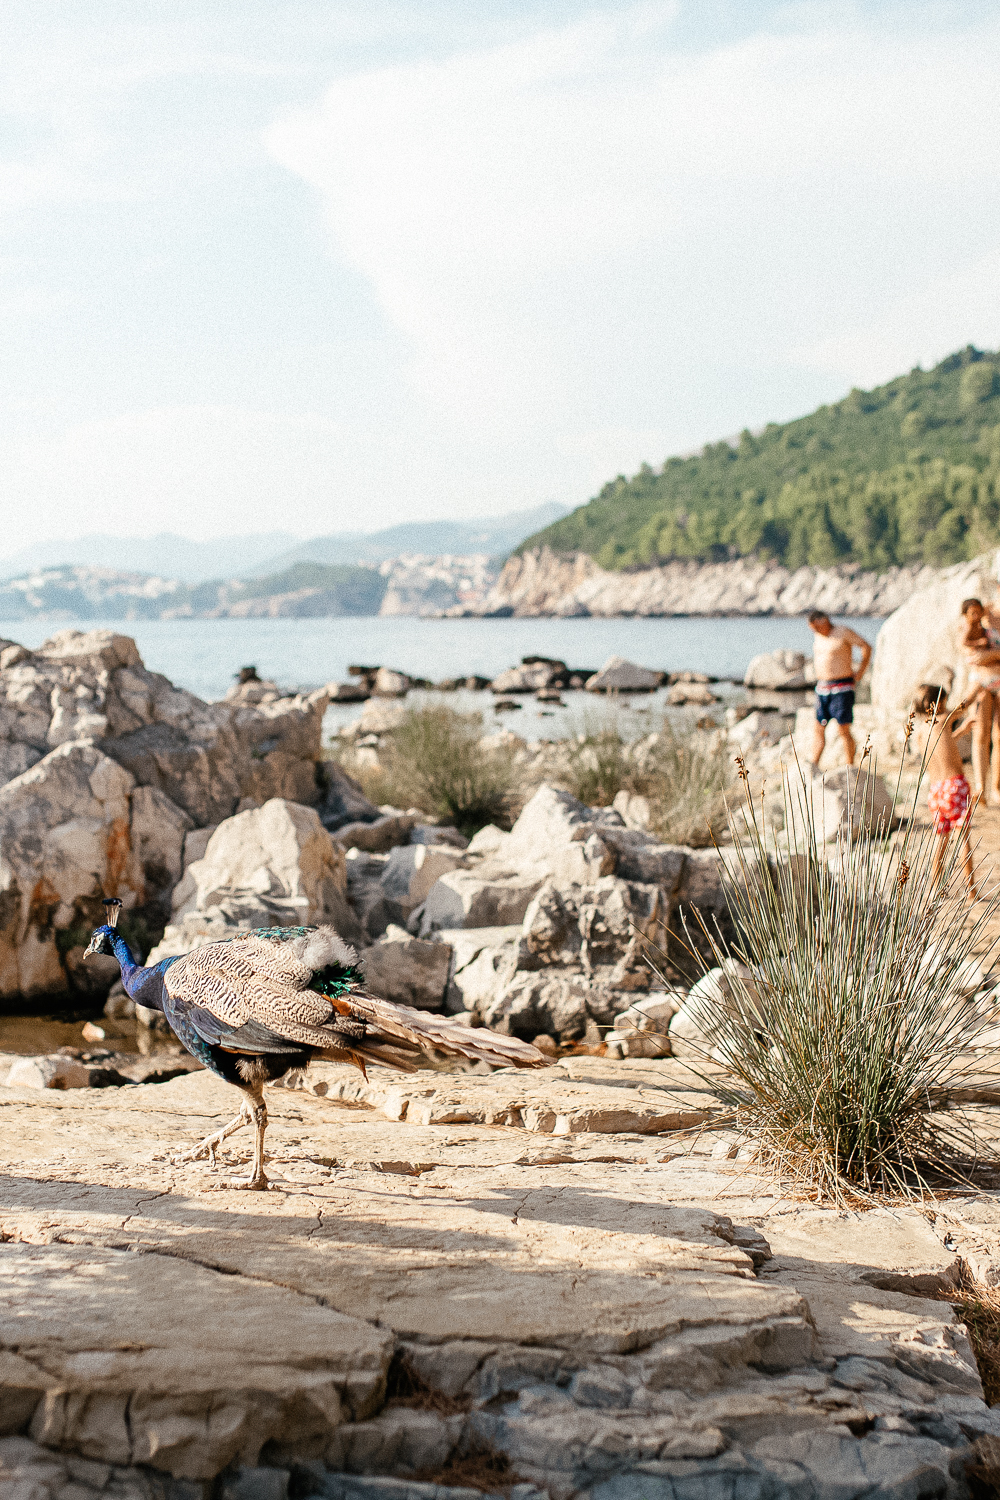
(621, 676)
(780, 669)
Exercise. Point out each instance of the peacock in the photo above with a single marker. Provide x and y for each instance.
(264, 1003)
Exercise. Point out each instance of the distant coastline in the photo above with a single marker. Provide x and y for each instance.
(543, 583)
(534, 585)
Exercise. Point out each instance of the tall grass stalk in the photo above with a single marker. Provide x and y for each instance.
(844, 1052)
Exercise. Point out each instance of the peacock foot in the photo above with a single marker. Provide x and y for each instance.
(256, 1184)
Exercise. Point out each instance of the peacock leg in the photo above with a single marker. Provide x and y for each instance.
(211, 1143)
(254, 1104)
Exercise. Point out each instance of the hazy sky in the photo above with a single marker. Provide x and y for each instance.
(318, 266)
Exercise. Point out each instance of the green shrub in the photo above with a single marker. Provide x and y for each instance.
(435, 761)
(846, 1054)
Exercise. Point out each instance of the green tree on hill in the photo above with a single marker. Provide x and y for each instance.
(906, 473)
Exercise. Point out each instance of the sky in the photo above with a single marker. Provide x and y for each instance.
(327, 266)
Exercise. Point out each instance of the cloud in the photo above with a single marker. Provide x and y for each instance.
(581, 232)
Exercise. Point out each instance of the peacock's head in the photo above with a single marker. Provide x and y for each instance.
(102, 940)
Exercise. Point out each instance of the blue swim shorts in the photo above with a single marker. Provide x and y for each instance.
(837, 706)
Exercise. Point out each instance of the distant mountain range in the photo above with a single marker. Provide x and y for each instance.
(176, 557)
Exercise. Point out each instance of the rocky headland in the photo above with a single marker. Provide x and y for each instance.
(543, 582)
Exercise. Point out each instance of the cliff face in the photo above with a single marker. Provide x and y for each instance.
(548, 583)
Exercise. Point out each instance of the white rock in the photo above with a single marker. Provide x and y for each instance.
(279, 851)
(390, 684)
(412, 869)
(196, 842)
(402, 968)
(634, 809)
(920, 641)
(467, 898)
(381, 716)
(52, 1072)
(489, 840)
(160, 830)
(66, 840)
(780, 669)
(620, 676)
(699, 693)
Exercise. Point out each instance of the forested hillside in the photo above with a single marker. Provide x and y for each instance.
(908, 472)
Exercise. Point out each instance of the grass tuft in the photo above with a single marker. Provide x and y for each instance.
(682, 776)
(435, 761)
(845, 1032)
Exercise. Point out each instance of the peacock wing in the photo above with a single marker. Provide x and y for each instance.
(430, 1031)
(247, 980)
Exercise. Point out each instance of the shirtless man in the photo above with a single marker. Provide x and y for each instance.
(833, 656)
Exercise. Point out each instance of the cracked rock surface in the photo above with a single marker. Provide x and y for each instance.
(427, 1310)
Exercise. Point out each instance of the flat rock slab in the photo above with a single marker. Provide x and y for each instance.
(148, 1315)
(559, 1101)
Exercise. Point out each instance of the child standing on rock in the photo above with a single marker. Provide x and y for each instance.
(948, 799)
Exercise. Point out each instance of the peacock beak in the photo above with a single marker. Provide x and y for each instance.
(91, 947)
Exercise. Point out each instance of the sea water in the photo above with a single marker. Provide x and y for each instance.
(204, 655)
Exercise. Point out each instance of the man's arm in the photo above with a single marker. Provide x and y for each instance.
(864, 648)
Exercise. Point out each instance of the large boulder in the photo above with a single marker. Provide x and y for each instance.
(270, 866)
(206, 757)
(66, 842)
(470, 898)
(412, 869)
(920, 641)
(403, 968)
(533, 675)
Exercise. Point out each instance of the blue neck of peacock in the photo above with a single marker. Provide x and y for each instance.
(133, 974)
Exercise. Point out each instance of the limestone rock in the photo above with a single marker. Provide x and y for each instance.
(468, 898)
(483, 959)
(544, 583)
(697, 693)
(438, 834)
(390, 684)
(342, 801)
(52, 1072)
(160, 830)
(196, 1352)
(403, 968)
(66, 840)
(412, 869)
(782, 669)
(919, 641)
(693, 1028)
(621, 676)
(531, 677)
(633, 809)
(381, 716)
(274, 865)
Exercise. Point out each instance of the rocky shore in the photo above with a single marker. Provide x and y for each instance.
(542, 583)
(573, 1285)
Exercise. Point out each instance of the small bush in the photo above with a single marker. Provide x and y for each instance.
(847, 1049)
(683, 777)
(435, 761)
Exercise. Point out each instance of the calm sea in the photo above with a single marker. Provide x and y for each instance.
(203, 655)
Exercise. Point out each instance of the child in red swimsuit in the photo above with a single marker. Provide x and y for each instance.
(948, 799)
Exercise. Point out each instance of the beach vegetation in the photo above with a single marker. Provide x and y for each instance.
(843, 1044)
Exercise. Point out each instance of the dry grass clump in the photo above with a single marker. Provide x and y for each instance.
(435, 761)
(847, 1041)
(979, 1308)
(682, 776)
